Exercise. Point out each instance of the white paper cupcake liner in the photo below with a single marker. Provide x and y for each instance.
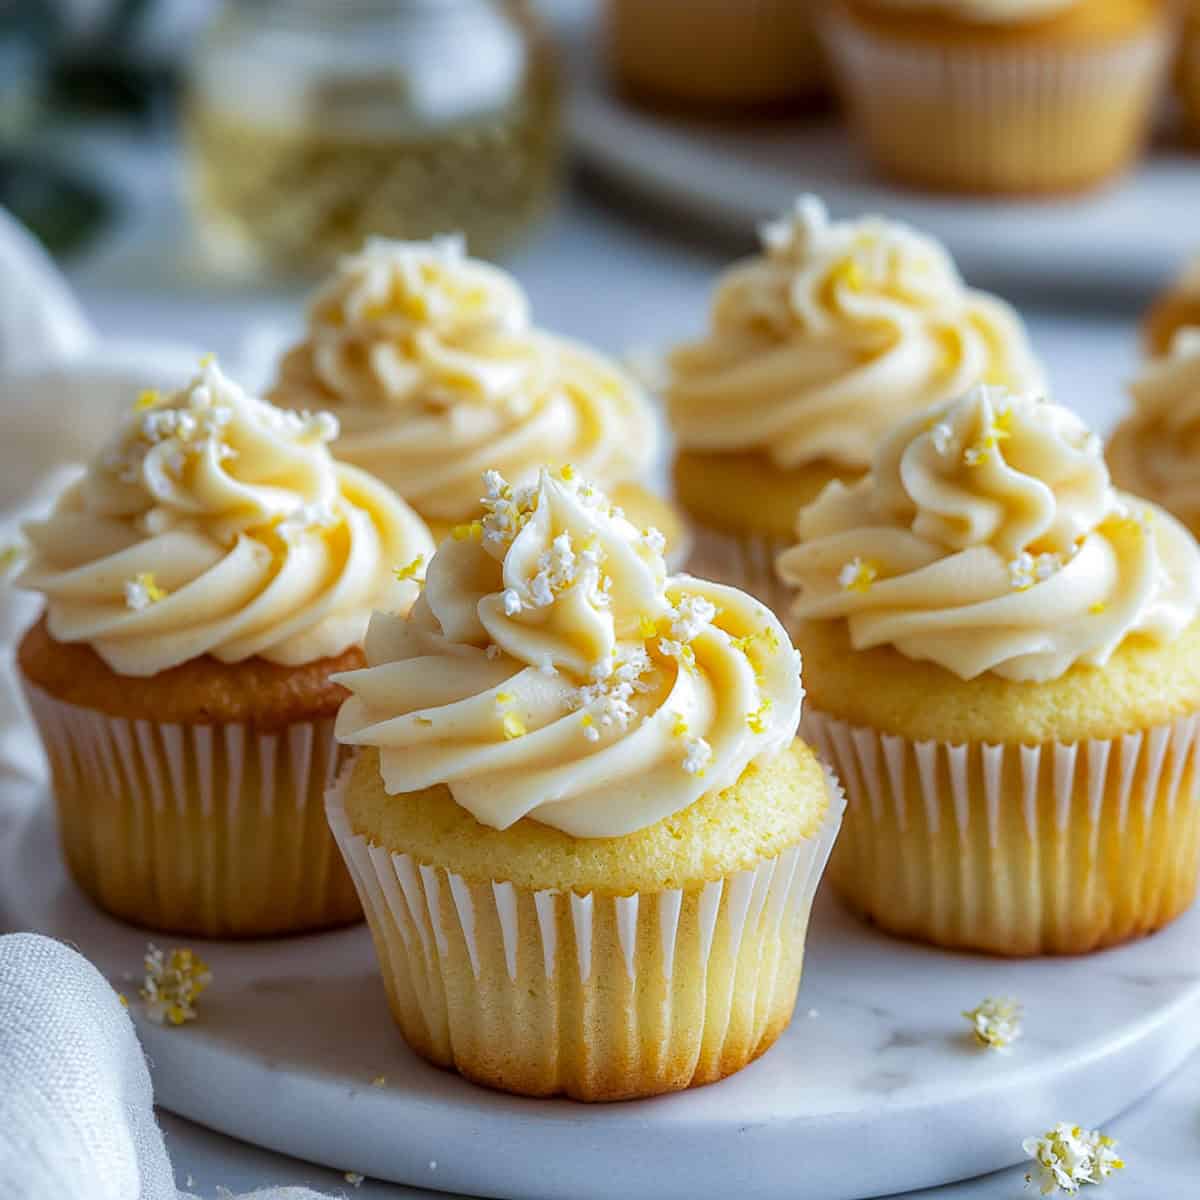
(1014, 849)
(742, 561)
(214, 830)
(992, 118)
(598, 996)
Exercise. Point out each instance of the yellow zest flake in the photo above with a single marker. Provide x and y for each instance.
(566, 473)
(647, 628)
(1002, 425)
(147, 398)
(587, 720)
(679, 727)
(858, 575)
(849, 274)
(513, 726)
(468, 533)
(504, 697)
(757, 720)
(1097, 608)
(124, 1000)
(411, 570)
(423, 720)
(207, 360)
(143, 591)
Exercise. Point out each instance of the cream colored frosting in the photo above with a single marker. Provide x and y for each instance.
(818, 346)
(1156, 450)
(215, 523)
(991, 12)
(988, 537)
(551, 669)
(431, 362)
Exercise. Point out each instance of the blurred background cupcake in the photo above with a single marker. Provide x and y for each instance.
(716, 53)
(203, 581)
(1187, 68)
(983, 96)
(816, 347)
(1002, 661)
(1177, 307)
(436, 372)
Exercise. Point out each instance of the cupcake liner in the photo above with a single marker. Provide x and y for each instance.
(743, 561)
(1058, 848)
(717, 51)
(597, 996)
(994, 118)
(212, 830)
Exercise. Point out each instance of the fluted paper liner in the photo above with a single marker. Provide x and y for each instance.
(1016, 849)
(210, 830)
(601, 997)
(744, 561)
(1009, 119)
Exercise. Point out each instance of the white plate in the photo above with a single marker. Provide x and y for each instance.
(1134, 235)
(875, 1088)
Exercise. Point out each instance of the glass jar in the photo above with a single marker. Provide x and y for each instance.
(313, 124)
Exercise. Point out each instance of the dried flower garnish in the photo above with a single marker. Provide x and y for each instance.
(172, 984)
(1068, 1156)
(411, 570)
(996, 1023)
(858, 575)
(143, 591)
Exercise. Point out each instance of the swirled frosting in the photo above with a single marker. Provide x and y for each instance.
(551, 669)
(436, 373)
(988, 537)
(991, 12)
(1156, 450)
(818, 346)
(215, 523)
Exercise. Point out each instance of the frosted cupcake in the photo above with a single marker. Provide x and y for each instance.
(1175, 309)
(816, 348)
(1187, 68)
(436, 373)
(203, 580)
(584, 834)
(1001, 96)
(716, 53)
(1155, 451)
(1003, 665)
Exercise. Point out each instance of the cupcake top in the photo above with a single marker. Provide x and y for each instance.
(988, 537)
(217, 524)
(992, 12)
(1156, 449)
(552, 669)
(834, 332)
(436, 373)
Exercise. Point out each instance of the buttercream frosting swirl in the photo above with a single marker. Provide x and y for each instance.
(217, 524)
(431, 362)
(988, 537)
(551, 669)
(1156, 450)
(990, 12)
(839, 328)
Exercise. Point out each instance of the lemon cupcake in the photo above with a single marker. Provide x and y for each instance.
(584, 835)
(1187, 68)
(203, 580)
(716, 53)
(1155, 451)
(430, 361)
(1003, 665)
(816, 347)
(1001, 96)
(1176, 308)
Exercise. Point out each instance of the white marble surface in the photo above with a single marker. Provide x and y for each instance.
(621, 279)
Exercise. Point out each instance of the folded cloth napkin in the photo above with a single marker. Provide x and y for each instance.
(76, 1108)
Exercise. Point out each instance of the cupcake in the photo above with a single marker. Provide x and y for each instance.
(429, 359)
(1187, 68)
(1155, 451)
(1003, 665)
(204, 580)
(716, 53)
(583, 832)
(1000, 96)
(1177, 307)
(816, 347)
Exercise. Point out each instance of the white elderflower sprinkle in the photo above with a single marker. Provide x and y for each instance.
(308, 517)
(143, 591)
(512, 602)
(697, 755)
(996, 1023)
(857, 575)
(653, 540)
(172, 984)
(942, 437)
(1067, 1156)
(1027, 569)
(546, 666)
(690, 617)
